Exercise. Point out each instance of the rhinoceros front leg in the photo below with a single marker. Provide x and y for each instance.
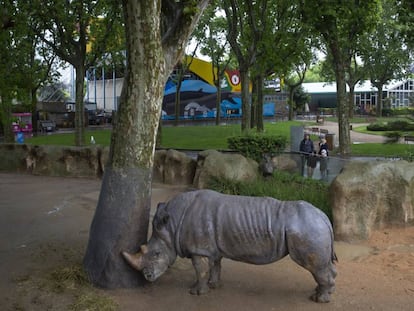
(202, 267)
(215, 272)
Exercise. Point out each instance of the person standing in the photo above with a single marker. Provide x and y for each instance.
(306, 149)
(323, 154)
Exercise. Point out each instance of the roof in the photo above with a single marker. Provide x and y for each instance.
(330, 87)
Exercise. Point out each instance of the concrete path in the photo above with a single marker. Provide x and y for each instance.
(356, 137)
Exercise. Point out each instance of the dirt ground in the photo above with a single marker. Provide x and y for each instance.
(44, 227)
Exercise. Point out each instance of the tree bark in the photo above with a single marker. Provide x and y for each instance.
(80, 106)
(379, 105)
(6, 117)
(218, 103)
(122, 216)
(343, 110)
(259, 112)
(245, 97)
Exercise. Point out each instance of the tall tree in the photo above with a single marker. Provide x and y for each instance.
(354, 75)
(23, 61)
(211, 35)
(65, 27)
(340, 25)
(385, 55)
(246, 22)
(156, 36)
(293, 82)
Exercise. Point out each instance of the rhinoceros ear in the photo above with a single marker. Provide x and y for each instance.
(161, 221)
(161, 205)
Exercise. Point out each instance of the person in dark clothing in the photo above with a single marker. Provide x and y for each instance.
(306, 149)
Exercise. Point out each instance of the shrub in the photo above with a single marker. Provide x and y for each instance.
(398, 125)
(377, 126)
(282, 186)
(393, 137)
(255, 146)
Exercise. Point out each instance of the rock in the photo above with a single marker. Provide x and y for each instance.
(371, 195)
(211, 163)
(179, 168)
(284, 162)
(53, 160)
(159, 166)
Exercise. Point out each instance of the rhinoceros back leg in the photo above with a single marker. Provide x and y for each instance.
(215, 273)
(315, 254)
(202, 268)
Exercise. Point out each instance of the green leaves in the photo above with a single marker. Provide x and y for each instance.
(255, 146)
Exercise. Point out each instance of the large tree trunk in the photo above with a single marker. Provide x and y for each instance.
(351, 101)
(291, 102)
(218, 103)
(6, 117)
(122, 215)
(343, 111)
(260, 102)
(80, 106)
(245, 97)
(177, 102)
(379, 106)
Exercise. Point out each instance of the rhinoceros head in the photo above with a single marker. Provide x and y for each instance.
(155, 258)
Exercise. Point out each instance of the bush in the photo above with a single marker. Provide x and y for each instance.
(377, 126)
(255, 146)
(398, 125)
(282, 186)
(397, 111)
(393, 137)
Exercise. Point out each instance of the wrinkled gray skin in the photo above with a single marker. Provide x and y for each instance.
(206, 226)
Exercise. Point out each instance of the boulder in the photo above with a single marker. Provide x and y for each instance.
(179, 168)
(65, 161)
(211, 163)
(372, 195)
(284, 162)
(173, 167)
(53, 160)
(159, 166)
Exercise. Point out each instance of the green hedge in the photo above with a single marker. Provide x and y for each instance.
(255, 146)
(397, 112)
(398, 125)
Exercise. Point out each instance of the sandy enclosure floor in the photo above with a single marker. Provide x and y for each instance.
(44, 226)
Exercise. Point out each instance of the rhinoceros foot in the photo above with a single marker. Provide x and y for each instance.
(199, 289)
(321, 295)
(214, 284)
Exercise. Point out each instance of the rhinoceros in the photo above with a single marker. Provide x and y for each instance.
(206, 226)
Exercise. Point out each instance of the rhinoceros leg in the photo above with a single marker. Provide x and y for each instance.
(326, 283)
(202, 267)
(215, 273)
(318, 260)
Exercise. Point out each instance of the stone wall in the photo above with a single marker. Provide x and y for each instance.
(170, 166)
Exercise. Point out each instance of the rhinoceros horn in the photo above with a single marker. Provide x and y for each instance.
(135, 260)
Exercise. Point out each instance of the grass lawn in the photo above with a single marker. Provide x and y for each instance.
(383, 150)
(180, 137)
(215, 137)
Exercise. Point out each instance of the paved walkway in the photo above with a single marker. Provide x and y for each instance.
(356, 137)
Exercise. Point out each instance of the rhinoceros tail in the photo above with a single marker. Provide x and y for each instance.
(334, 257)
